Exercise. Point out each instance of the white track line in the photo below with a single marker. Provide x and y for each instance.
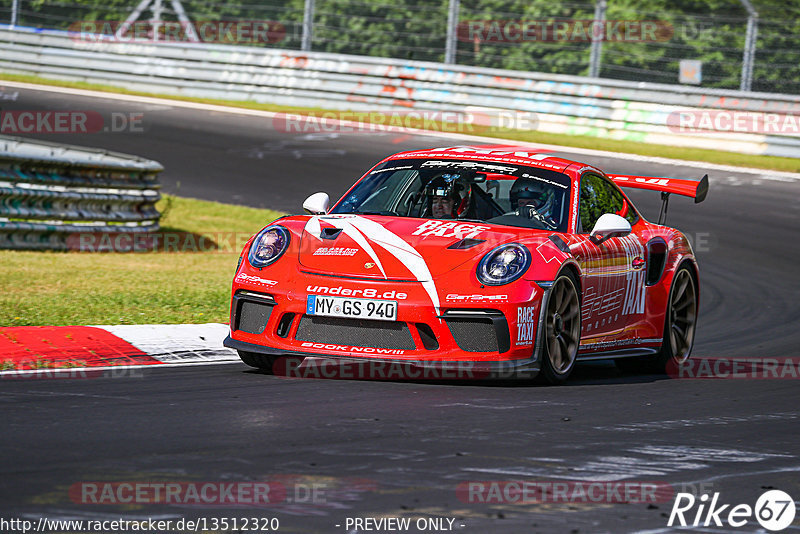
(762, 173)
(174, 343)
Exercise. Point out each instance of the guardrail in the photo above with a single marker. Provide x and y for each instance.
(51, 195)
(754, 123)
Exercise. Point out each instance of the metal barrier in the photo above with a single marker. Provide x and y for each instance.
(643, 112)
(51, 195)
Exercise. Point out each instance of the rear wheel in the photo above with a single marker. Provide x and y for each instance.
(680, 322)
(259, 361)
(562, 330)
(679, 327)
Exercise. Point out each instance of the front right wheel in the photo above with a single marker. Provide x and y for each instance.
(562, 330)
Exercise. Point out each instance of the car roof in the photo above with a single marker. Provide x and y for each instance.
(517, 154)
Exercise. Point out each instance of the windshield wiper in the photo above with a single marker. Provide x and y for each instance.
(386, 212)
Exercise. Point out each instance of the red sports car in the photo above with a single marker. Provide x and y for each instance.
(500, 258)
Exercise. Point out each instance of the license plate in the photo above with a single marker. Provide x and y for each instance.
(380, 310)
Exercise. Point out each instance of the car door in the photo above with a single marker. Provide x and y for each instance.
(614, 274)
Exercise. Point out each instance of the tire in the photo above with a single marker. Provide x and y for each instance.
(680, 322)
(562, 330)
(259, 361)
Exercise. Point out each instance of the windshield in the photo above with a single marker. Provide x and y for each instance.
(498, 193)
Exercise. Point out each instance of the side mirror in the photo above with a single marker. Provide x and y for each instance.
(609, 225)
(317, 204)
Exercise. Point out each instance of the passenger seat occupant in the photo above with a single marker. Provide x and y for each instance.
(534, 199)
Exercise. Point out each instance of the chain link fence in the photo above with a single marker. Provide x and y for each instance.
(635, 40)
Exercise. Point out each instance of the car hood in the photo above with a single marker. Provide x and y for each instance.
(383, 247)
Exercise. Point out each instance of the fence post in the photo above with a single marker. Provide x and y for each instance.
(308, 26)
(597, 38)
(14, 11)
(158, 8)
(452, 32)
(749, 46)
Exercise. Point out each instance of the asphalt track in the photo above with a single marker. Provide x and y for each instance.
(401, 449)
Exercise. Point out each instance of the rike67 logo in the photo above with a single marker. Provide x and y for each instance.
(774, 510)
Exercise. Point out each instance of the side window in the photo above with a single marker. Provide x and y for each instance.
(598, 196)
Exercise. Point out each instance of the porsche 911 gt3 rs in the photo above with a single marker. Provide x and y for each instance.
(502, 257)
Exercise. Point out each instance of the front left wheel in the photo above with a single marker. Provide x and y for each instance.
(679, 327)
(562, 330)
(259, 361)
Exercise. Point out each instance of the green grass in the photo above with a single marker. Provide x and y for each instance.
(77, 288)
(581, 141)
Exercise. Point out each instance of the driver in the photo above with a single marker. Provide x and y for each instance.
(444, 196)
(533, 199)
(442, 207)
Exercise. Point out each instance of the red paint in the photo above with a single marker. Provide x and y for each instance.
(28, 347)
(688, 188)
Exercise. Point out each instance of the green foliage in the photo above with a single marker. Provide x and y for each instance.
(712, 31)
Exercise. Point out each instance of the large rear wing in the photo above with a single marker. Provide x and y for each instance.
(688, 188)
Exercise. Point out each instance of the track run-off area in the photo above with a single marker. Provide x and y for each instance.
(335, 450)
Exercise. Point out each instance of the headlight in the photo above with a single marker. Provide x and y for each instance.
(504, 264)
(268, 246)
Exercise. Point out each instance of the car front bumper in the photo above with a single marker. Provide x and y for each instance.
(497, 328)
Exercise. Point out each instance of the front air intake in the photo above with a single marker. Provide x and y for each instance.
(479, 331)
(253, 316)
(355, 332)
